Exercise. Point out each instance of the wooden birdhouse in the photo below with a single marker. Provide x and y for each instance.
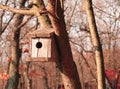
(42, 46)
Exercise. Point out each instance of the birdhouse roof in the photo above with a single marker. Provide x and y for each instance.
(41, 33)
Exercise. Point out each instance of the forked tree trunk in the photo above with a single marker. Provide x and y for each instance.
(43, 19)
(15, 51)
(96, 44)
(66, 64)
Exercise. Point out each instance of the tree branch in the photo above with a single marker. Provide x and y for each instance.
(112, 16)
(18, 11)
(3, 29)
(81, 46)
(22, 24)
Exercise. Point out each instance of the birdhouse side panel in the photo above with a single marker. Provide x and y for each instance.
(54, 50)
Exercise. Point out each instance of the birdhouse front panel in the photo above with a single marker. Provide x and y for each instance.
(41, 47)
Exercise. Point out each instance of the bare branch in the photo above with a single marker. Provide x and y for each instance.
(70, 19)
(112, 16)
(18, 11)
(3, 29)
(88, 65)
(81, 46)
(1, 16)
(22, 24)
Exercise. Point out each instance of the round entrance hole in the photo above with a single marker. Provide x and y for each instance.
(38, 45)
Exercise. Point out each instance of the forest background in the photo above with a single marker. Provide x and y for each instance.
(46, 75)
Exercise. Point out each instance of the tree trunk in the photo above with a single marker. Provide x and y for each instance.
(26, 77)
(96, 44)
(15, 51)
(43, 19)
(65, 64)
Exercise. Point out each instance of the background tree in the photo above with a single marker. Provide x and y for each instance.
(96, 44)
(15, 51)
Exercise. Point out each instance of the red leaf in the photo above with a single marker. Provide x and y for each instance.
(25, 50)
